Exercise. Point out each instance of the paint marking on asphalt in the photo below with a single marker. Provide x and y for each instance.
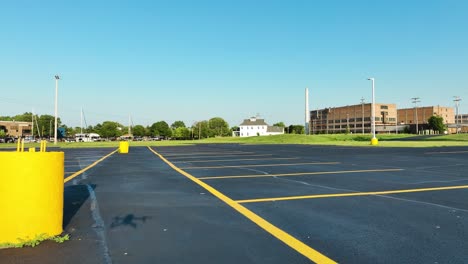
(286, 238)
(296, 174)
(231, 160)
(261, 165)
(205, 153)
(227, 156)
(69, 178)
(316, 196)
(447, 152)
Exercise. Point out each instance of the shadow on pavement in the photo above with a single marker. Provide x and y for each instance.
(74, 197)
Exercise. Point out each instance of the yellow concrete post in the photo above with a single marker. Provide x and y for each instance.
(123, 147)
(31, 195)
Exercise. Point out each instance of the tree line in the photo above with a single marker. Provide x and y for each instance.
(214, 127)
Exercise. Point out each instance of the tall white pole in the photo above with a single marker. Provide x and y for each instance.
(56, 108)
(81, 121)
(374, 140)
(307, 112)
(32, 120)
(415, 101)
(457, 102)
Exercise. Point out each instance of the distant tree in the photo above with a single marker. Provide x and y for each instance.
(46, 125)
(201, 130)
(436, 123)
(2, 133)
(181, 133)
(218, 127)
(279, 124)
(296, 129)
(235, 128)
(110, 129)
(6, 118)
(160, 128)
(177, 124)
(139, 131)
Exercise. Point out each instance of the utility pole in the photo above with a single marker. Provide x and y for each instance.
(457, 103)
(362, 104)
(416, 100)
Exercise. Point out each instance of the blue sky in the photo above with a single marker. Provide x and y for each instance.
(193, 60)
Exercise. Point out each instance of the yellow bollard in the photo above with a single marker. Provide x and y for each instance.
(123, 147)
(31, 195)
(374, 141)
(32, 149)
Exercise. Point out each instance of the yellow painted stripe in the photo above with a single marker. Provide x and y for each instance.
(295, 174)
(351, 194)
(286, 238)
(231, 160)
(89, 167)
(261, 165)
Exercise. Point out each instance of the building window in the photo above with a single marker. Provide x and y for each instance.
(383, 107)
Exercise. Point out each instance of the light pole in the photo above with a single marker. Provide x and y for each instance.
(362, 104)
(457, 103)
(57, 78)
(415, 101)
(374, 140)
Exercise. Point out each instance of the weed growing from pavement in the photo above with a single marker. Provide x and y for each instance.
(36, 241)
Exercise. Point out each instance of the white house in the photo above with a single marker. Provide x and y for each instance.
(257, 127)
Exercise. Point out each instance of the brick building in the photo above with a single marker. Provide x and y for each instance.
(354, 118)
(16, 128)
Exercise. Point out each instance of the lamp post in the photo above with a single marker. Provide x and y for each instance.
(415, 101)
(362, 105)
(57, 78)
(457, 103)
(374, 140)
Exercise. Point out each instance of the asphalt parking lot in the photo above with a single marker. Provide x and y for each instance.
(302, 204)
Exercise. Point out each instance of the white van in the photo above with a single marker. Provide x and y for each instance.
(87, 137)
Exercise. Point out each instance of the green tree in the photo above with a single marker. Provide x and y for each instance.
(296, 129)
(177, 124)
(181, 133)
(436, 123)
(160, 128)
(2, 133)
(201, 130)
(46, 125)
(110, 129)
(139, 131)
(279, 124)
(218, 127)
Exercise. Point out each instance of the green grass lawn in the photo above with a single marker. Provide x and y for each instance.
(385, 140)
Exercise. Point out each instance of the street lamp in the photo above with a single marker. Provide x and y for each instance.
(415, 101)
(57, 78)
(362, 105)
(374, 140)
(457, 103)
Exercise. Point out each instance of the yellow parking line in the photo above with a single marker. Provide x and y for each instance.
(87, 168)
(351, 194)
(286, 238)
(231, 160)
(295, 174)
(261, 165)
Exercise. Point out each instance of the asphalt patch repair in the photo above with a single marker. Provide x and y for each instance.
(262, 204)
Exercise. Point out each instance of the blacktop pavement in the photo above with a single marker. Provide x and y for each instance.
(377, 205)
